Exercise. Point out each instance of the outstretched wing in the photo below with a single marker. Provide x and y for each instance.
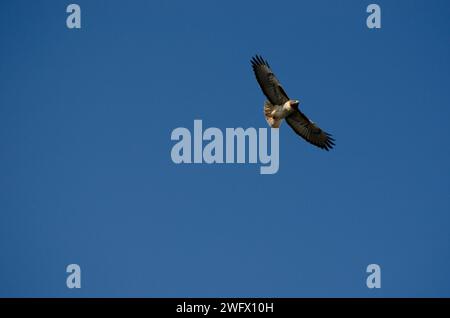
(270, 85)
(310, 131)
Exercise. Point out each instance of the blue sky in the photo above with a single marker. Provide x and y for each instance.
(87, 178)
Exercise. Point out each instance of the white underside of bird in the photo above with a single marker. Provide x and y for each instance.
(274, 114)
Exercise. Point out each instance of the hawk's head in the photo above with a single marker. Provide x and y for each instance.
(294, 103)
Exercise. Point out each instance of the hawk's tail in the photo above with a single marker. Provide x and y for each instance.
(268, 110)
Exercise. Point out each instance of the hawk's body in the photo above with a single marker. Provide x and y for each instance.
(276, 113)
(279, 106)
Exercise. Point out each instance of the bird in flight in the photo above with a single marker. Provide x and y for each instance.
(279, 106)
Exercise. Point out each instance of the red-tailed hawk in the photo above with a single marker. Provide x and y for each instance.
(279, 106)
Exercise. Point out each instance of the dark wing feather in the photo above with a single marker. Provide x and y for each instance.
(310, 131)
(270, 85)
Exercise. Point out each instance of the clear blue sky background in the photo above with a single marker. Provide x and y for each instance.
(86, 175)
